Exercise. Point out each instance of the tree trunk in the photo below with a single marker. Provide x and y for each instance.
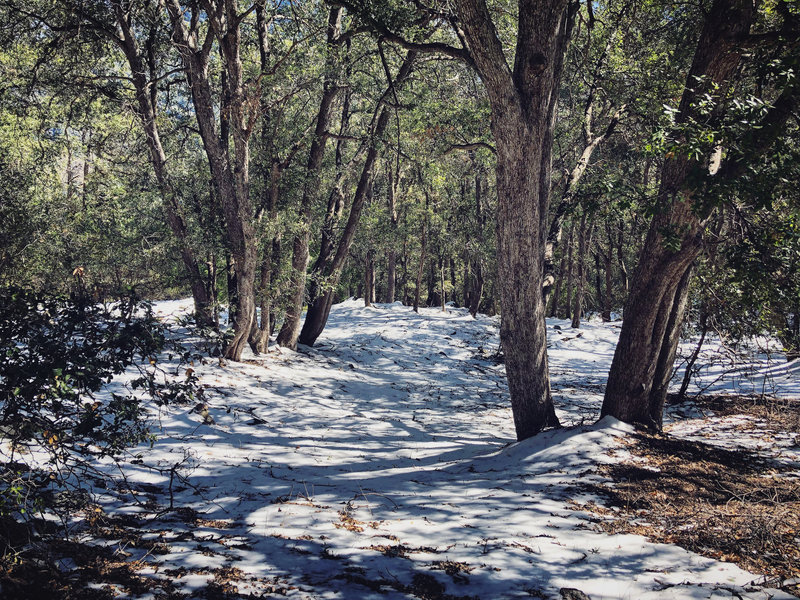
(391, 270)
(570, 273)
(556, 297)
(601, 297)
(453, 297)
(623, 270)
(289, 333)
(432, 297)
(591, 143)
(404, 277)
(608, 297)
(329, 268)
(687, 375)
(442, 285)
(577, 307)
(259, 336)
(230, 286)
(639, 375)
(369, 279)
(230, 174)
(477, 288)
(391, 267)
(421, 267)
(146, 95)
(523, 104)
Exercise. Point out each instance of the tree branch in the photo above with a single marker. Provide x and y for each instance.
(431, 47)
(472, 146)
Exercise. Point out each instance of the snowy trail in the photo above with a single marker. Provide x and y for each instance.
(381, 464)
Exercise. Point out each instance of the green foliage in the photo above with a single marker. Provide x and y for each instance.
(56, 354)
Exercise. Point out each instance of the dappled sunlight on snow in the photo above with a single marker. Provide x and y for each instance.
(387, 451)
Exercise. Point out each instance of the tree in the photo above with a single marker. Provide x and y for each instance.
(523, 103)
(290, 331)
(230, 171)
(329, 264)
(654, 311)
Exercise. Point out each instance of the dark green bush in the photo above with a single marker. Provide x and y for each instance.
(55, 355)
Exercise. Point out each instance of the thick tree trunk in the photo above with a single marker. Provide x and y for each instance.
(230, 174)
(639, 375)
(523, 106)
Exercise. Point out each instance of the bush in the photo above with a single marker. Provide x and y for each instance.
(56, 353)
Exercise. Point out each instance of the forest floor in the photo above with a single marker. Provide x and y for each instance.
(382, 464)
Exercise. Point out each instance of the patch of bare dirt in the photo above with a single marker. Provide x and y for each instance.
(777, 414)
(729, 505)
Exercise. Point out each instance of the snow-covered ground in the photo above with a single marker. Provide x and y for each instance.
(382, 464)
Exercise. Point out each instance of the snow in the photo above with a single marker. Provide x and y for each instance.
(384, 458)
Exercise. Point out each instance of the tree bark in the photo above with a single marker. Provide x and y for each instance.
(442, 284)
(577, 307)
(523, 107)
(591, 143)
(621, 258)
(289, 333)
(330, 269)
(608, 259)
(523, 103)
(230, 174)
(421, 267)
(555, 298)
(639, 375)
(391, 267)
(146, 96)
(369, 279)
(570, 272)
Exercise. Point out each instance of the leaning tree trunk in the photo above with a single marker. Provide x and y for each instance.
(146, 97)
(639, 376)
(329, 265)
(290, 330)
